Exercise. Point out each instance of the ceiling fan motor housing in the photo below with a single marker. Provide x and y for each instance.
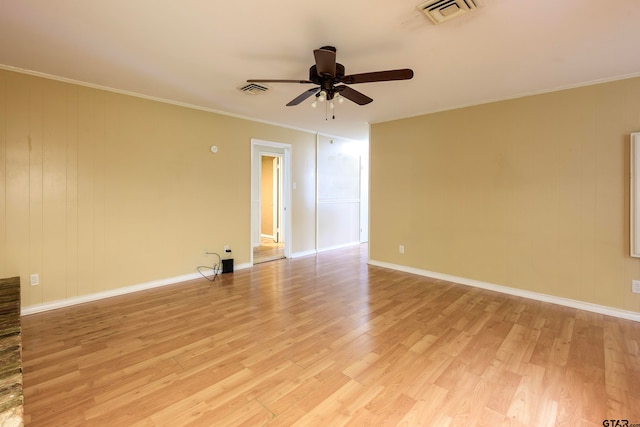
(326, 81)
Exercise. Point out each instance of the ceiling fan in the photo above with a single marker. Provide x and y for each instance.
(328, 75)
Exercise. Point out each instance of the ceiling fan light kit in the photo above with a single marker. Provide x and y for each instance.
(330, 80)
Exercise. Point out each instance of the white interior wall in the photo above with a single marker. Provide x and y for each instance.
(339, 192)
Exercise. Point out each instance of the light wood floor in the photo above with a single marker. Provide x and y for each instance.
(268, 251)
(327, 341)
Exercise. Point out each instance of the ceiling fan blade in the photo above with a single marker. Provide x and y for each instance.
(325, 61)
(304, 95)
(353, 95)
(277, 81)
(378, 76)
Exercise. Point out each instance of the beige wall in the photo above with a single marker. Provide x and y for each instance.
(530, 193)
(100, 190)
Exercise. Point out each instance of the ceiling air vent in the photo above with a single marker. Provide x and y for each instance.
(253, 89)
(439, 11)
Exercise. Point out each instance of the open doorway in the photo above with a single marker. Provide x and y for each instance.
(272, 236)
(270, 200)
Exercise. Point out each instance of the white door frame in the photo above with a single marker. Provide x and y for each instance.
(284, 151)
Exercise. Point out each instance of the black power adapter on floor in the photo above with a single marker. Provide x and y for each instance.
(227, 264)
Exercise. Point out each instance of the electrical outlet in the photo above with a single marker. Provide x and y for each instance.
(635, 286)
(35, 279)
(401, 249)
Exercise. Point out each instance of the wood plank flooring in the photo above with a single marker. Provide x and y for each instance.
(327, 340)
(268, 251)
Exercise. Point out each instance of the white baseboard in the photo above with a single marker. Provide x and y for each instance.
(581, 305)
(303, 253)
(116, 292)
(242, 266)
(595, 308)
(317, 251)
(343, 245)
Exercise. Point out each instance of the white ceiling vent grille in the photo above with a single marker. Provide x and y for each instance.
(439, 11)
(253, 89)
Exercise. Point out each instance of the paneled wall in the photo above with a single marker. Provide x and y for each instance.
(100, 190)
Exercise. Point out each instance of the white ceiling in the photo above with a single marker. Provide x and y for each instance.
(198, 52)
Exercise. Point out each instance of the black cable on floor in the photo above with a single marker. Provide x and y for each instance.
(217, 268)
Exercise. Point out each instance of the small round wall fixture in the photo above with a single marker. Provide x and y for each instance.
(214, 149)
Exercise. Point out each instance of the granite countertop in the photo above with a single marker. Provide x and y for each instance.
(11, 398)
